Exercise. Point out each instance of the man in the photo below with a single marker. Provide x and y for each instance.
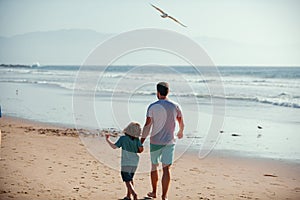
(161, 117)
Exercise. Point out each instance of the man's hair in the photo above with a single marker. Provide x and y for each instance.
(163, 88)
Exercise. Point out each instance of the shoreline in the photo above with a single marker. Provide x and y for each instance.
(277, 139)
(191, 151)
(45, 165)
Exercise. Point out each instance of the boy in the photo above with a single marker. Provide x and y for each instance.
(131, 145)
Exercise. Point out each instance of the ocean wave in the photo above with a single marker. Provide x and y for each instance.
(250, 72)
(259, 81)
(244, 86)
(278, 103)
(284, 78)
(276, 100)
(65, 85)
(268, 100)
(283, 99)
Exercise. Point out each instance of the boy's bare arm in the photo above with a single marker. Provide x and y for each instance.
(110, 142)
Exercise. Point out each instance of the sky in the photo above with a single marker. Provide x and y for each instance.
(259, 23)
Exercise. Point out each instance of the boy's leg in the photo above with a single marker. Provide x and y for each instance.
(130, 190)
(131, 182)
(127, 173)
(123, 173)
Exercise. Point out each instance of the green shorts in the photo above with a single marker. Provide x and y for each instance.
(162, 153)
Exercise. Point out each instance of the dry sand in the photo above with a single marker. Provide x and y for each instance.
(40, 161)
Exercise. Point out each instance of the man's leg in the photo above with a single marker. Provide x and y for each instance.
(154, 180)
(155, 153)
(167, 160)
(165, 181)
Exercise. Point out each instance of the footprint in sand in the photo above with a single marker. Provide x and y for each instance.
(297, 189)
(280, 185)
(245, 196)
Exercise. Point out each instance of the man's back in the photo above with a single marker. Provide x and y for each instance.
(163, 114)
(161, 117)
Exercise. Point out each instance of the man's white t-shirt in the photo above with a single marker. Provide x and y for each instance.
(163, 114)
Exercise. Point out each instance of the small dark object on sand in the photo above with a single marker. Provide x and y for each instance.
(235, 134)
(270, 175)
(259, 127)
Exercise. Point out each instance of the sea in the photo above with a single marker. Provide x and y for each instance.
(246, 111)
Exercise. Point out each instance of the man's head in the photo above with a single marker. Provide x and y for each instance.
(162, 89)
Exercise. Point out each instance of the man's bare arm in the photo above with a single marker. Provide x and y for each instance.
(146, 129)
(181, 127)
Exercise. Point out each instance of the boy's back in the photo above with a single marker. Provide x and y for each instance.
(130, 148)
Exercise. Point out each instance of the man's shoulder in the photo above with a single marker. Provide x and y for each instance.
(173, 102)
(152, 104)
(161, 102)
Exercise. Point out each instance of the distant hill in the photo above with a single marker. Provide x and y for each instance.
(69, 47)
(52, 47)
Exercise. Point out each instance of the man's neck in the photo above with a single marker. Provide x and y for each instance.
(163, 98)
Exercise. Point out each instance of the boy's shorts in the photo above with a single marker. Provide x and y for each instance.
(127, 173)
(162, 153)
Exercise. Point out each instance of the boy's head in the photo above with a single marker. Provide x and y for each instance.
(163, 88)
(133, 129)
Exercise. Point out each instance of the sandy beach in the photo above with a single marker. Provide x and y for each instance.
(40, 161)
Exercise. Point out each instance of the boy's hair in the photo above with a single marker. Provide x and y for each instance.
(162, 88)
(133, 129)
